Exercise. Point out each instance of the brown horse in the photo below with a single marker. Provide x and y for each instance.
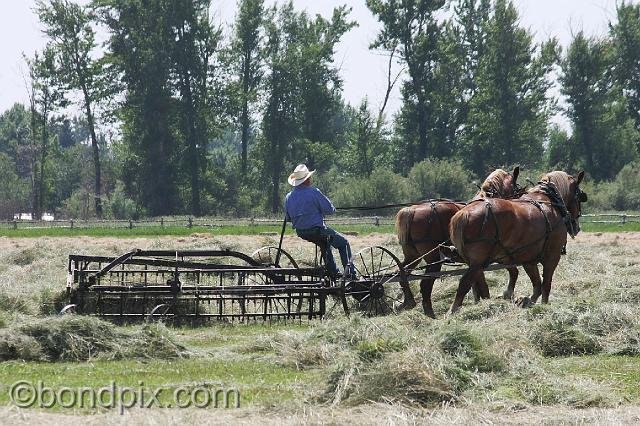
(422, 228)
(529, 230)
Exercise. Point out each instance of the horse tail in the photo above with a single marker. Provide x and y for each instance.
(404, 218)
(456, 231)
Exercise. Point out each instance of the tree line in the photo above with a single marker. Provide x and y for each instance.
(176, 115)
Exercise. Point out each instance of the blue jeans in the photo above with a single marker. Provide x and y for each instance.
(334, 239)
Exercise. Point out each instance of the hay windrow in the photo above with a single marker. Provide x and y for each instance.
(78, 338)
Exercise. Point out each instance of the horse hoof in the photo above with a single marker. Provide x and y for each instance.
(507, 296)
(404, 306)
(523, 302)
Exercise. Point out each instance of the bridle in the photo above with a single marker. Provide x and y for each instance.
(579, 196)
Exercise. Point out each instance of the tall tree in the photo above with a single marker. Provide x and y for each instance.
(140, 51)
(302, 87)
(44, 98)
(603, 132)
(196, 42)
(625, 35)
(247, 54)
(68, 27)
(412, 27)
(508, 115)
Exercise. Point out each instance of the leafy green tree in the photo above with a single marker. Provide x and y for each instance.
(14, 192)
(625, 36)
(195, 45)
(15, 138)
(603, 132)
(247, 58)
(508, 115)
(44, 98)
(301, 88)
(72, 41)
(411, 27)
(365, 147)
(140, 49)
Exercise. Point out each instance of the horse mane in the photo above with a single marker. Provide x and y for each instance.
(561, 181)
(493, 185)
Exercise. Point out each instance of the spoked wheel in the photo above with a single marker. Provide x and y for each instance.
(269, 255)
(380, 284)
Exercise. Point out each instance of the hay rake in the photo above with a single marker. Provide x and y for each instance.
(192, 286)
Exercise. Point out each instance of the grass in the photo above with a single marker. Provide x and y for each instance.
(580, 351)
(173, 231)
(151, 231)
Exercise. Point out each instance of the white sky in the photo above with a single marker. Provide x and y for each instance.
(363, 71)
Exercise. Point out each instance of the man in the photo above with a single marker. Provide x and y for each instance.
(305, 207)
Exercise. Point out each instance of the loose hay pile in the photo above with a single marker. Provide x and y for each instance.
(78, 338)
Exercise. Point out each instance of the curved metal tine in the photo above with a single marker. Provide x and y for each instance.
(336, 301)
(364, 263)
(69, 309)
(373, 271)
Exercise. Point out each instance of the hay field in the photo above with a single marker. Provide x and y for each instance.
(575, 360)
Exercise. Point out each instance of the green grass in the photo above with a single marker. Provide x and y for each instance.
(217, 363)
(621, 373)
(258, 382)
(238, 230)
(174, 231)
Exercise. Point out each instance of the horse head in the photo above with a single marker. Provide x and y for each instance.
(500, 184)
(572, 197)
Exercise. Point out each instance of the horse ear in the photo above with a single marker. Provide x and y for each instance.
(580, 176)
(516, 172)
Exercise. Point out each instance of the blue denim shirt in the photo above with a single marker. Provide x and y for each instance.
(306, 206)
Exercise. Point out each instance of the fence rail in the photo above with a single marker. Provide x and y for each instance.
(191, 222)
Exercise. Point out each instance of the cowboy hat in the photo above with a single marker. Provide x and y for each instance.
(299, 175)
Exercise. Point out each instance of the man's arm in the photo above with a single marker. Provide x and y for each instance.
(326, 206)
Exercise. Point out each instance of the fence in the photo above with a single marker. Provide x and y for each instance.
(191, 222)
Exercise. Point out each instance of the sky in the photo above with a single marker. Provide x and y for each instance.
(363, 71)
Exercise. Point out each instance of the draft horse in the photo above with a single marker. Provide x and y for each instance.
(525, 231)
(422, 228)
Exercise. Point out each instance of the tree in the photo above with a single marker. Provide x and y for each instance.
(603, 132)
(507, 121)
(246, 50)
(302, 89)
(625, 36)
(195, 44)
(365, 149)
(44, 98)
(72, 40)
(411, 27)
(140, 50)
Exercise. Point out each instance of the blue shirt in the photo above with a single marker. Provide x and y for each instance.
(306, 206)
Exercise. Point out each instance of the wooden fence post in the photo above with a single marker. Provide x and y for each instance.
(190, 225)
(377, 221)
(624, 219)
(162, 222)
(130, 224)
(15, 224)
(71, 223)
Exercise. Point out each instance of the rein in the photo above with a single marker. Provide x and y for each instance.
(387, 206)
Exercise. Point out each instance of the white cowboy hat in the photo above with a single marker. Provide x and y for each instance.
(299, 175)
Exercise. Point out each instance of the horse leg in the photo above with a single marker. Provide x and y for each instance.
(513, 276)
(481, 288)
(408, 301)
(426, 287)
(548, 268)
(534, 275)
(466, 281)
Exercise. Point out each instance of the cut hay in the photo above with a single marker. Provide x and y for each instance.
(78, 338)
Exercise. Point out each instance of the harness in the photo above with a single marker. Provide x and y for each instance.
(430, 221)
(555, 200)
